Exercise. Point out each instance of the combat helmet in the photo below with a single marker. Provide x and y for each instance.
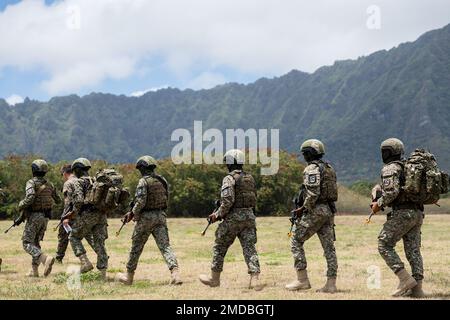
(146, 162)
(314, 144)
(39, 165)
(81, 163)
(234, 156)
(395, 145)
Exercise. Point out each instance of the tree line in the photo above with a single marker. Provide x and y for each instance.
(193, 187)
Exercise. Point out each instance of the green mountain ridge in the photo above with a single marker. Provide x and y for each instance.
(351, 105)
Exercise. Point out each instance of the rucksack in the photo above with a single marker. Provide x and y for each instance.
(107, 192)
(423, 181)
(328, 182)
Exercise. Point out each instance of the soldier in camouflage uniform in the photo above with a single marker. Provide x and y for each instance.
(148, 212)
(404, 222)
(85, 218)
(237, 203)
(316, 216)
(39, 197)
(63, 236)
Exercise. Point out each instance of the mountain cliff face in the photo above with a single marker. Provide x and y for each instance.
(352, 106)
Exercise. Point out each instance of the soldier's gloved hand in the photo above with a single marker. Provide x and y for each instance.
(213, 217)
(375, 207)
(128, 217)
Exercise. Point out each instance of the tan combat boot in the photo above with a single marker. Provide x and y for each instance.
(34, 272)
(175, 277)
(417, 291)
(86, 265)
(330, 286)
(48, 262)
(212, 281)
(255, 283)
(302, 282)
(406, 282)
(125, 278)
(103, 276)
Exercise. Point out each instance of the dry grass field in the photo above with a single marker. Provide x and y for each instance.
(356, 248)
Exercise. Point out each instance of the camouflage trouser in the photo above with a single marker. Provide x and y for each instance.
(402, 224)
(151, 223)
(91, 223)
(320, 221)
(33, 234)
(63, 242)
(241, 224)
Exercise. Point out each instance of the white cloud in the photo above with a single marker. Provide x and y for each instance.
(109, 39)
(142, 92)
(206, 80)
(14, 99)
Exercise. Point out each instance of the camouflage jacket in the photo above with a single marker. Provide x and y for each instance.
(311, 181)
(390, 186)
(30, 192)
(140, 198)
(73, 194)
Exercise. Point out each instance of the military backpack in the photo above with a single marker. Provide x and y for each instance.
(107, 191)
(423, 182)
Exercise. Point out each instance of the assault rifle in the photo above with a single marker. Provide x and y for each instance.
(376, 194)
(217, 206)
(18, 221)
(123, 220)
(298, 204)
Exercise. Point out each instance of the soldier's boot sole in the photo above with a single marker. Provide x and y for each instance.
(125, 279)
(297, 285)
(255, 283)
(48, 265)
(208, 281)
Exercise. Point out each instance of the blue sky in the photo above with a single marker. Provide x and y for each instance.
(51, 48)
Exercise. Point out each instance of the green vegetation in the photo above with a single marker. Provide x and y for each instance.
(352, 106)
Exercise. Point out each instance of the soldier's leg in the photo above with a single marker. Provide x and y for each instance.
(90, 240)
(140, 236)
(78, 231)
(394, 228)
(161, 235)
(63, 242)
(100, 234)
(412, 244)
(304, 229)
(225, 235)
(326, 236)
(248, 239)
(398, 224)
(30, 234)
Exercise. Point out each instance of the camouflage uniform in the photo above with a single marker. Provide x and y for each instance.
(404, 222)
(34, 202)
(237, 222)
(151, 220)
(87, 221)
(63, 236)
(317, 218)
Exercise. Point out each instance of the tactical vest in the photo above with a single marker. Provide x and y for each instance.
(86, 183)
(157, 193)
(244, 190)
(43, 199)
(328, 183)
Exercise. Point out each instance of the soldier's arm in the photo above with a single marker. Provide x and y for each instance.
(30, 195)
(311, 181)
(390, 184)
(75, 196)
(227, 197)
(140, 197)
